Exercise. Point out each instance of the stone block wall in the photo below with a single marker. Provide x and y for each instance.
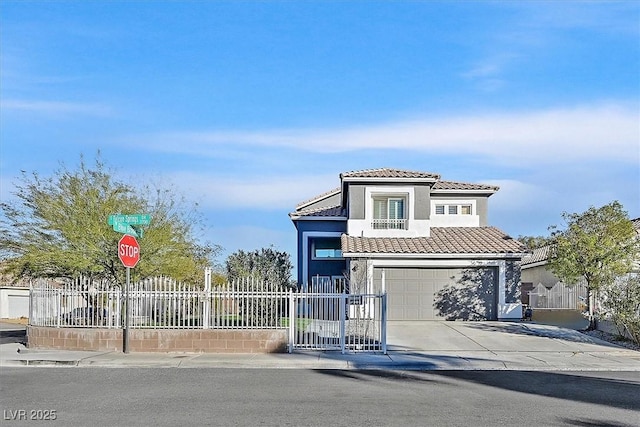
(160, 340)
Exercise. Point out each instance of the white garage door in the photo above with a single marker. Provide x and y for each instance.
(437, 294)
(18, 306)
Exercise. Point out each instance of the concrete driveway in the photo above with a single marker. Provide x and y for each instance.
(430, 336)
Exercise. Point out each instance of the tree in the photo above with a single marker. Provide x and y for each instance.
(597, 245)
(57, 227)
(534, 242)
(259, 271)
(266, 264)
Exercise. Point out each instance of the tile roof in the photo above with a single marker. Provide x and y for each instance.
(388, 173)
(452, 185)
(538, 255)
(443, 240)
(402, 174)
(319, 197)
(332, 211)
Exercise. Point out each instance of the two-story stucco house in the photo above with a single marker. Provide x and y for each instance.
(424, 241)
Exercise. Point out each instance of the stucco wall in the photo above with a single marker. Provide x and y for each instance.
(159, 340)
(356, 201)
(539, 274)
(422, 202)
(512, 282)
(481, 202)
(303, 226)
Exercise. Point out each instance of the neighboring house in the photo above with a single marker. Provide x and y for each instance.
(540, 288)
(14, 302)
(537, 279)
(424, 241)
(533, 272)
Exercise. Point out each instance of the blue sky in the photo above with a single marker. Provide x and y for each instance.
(251, 107)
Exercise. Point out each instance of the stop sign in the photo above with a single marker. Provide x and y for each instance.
(128, 251)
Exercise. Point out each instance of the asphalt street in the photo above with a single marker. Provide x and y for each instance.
(269, 397)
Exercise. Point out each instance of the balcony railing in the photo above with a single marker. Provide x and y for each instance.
(389, 224)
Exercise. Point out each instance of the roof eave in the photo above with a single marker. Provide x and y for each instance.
(444, 191)
(316, 218)
(318, 199)
(534, 264)
(505, 255)
(387, 179)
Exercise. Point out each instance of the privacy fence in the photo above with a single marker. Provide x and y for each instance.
(313, 320)
(559, 296)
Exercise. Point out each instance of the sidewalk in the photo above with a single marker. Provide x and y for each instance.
(412, 346)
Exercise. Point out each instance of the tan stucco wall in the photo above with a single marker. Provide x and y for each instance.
(159, 340)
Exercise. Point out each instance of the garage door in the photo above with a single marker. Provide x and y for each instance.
(437, 294)
(18, 306)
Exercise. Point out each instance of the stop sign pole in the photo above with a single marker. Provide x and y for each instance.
(129, 254)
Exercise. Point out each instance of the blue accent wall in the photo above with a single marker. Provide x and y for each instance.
(324, 267)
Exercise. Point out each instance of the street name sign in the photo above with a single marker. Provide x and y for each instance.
(123, 228)
(129, 224)
(132, 219)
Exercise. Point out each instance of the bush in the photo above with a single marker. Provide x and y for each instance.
(621, 304)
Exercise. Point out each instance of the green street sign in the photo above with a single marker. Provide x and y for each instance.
(121, 227)
(132, 219)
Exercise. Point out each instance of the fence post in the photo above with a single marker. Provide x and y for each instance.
(383, 319)
(343, 317)
(292, 319)
(58, 294)
(30, 302)
(206, 306)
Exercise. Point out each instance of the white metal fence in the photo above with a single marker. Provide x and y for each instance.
(318, 321)
(79, 303)
(338, 321)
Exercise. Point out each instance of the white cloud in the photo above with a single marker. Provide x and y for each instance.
(259, 192)
(55, 107)
(517, 196)
(593, 132)
(487, 74)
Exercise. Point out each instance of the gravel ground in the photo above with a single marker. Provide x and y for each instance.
(612, 339)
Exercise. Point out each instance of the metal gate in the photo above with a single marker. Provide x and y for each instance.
(338, 321)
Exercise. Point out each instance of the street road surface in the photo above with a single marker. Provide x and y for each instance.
(297, 397)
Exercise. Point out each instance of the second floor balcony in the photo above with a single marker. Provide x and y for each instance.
(389, 224)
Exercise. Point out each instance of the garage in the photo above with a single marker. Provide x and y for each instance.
(439, 293)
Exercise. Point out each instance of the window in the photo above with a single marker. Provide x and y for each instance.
(327, 248)
(389, 213)
(454, 209)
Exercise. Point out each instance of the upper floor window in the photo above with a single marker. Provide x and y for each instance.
(327, 248)
(454, 209)
(389, 213)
